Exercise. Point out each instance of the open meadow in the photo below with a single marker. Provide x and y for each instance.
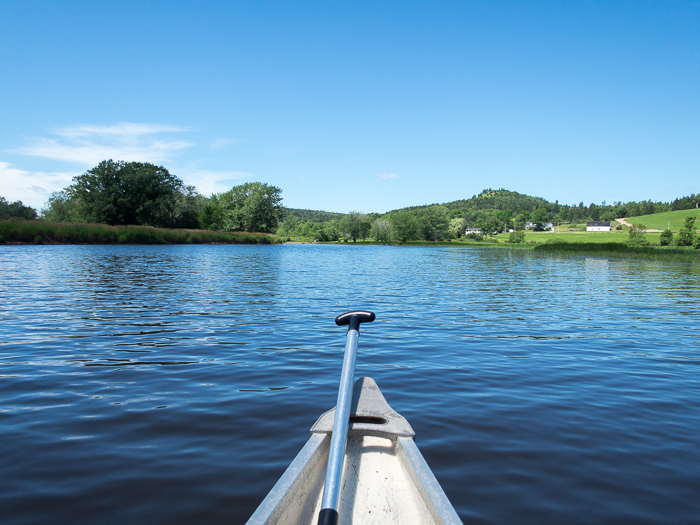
(661, 221)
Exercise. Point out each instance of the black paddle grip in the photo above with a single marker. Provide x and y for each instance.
(354, 319)
(328, 517)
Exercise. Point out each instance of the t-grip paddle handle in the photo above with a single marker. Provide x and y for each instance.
(354, 319)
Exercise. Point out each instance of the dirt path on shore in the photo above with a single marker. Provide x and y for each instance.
(625, 223)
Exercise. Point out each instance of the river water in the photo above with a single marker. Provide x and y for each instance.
(174, 384)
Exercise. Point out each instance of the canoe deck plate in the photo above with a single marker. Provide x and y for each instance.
(371, 413)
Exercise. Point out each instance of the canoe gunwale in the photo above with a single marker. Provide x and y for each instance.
(275, 502)
(426, 483)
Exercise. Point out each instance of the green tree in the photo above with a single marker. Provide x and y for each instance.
(505, 219)
(189, 205)
(520, 220)
(381, 230)
(16, 209)
(326, 232)
(127, 193)
(457, 227)
(62, 208)
(405, 226)
(288, 227)
(490, 225)
(355, 225)
(433, 223)
(686, 235)
(517, 236)
(251, 207)
(638, 235)
(212, 215)
(666, 238)
(540, 215)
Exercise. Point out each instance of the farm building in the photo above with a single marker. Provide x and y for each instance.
(598, 226)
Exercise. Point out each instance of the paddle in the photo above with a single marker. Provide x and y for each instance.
(331, 492)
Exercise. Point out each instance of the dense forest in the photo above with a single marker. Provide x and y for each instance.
(134, 193)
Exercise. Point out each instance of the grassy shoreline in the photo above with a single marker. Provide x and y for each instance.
(44, 232)
(615, 250)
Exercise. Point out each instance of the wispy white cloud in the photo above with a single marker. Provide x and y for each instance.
(32, 188)
(222, 143)
(387, 176)
(88, 144)
(208, 182)
(122, 130)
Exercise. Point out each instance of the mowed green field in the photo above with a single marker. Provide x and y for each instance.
(660, 221)
(612, 236)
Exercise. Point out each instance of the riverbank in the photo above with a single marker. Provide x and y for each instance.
(600, 249)
(44, 232)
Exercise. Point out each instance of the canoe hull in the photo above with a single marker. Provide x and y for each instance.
(385, 478)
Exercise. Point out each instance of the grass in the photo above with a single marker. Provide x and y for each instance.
(44, 232)
(660, 221)
(616, 249)
(597, 244)
(620, 236)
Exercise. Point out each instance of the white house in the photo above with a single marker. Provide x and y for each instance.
(598, 226)
(472, 230)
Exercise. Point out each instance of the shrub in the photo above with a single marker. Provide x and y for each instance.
(517, 237)
(37, 239)
(475, 236)
(666, 238)
(638, 235)
(2, 239)
(686, 235)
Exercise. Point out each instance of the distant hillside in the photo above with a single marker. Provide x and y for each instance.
(311, 215)
(492, 200)
(499, 206)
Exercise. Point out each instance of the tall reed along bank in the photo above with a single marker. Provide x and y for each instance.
(44, 232)
(619, 249)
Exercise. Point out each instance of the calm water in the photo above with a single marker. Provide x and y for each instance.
(149, 385)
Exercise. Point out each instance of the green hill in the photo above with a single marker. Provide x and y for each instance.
(311, 215)
(493, 200)
(660, 221)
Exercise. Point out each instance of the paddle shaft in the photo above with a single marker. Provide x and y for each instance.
(334, 474)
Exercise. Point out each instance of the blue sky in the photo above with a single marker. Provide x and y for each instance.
(366, 106)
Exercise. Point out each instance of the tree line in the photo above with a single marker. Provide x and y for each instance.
(489, 212)
(135, 193)
(138, 193)
(16, 210)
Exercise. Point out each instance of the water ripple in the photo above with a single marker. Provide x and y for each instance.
(174, 384)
